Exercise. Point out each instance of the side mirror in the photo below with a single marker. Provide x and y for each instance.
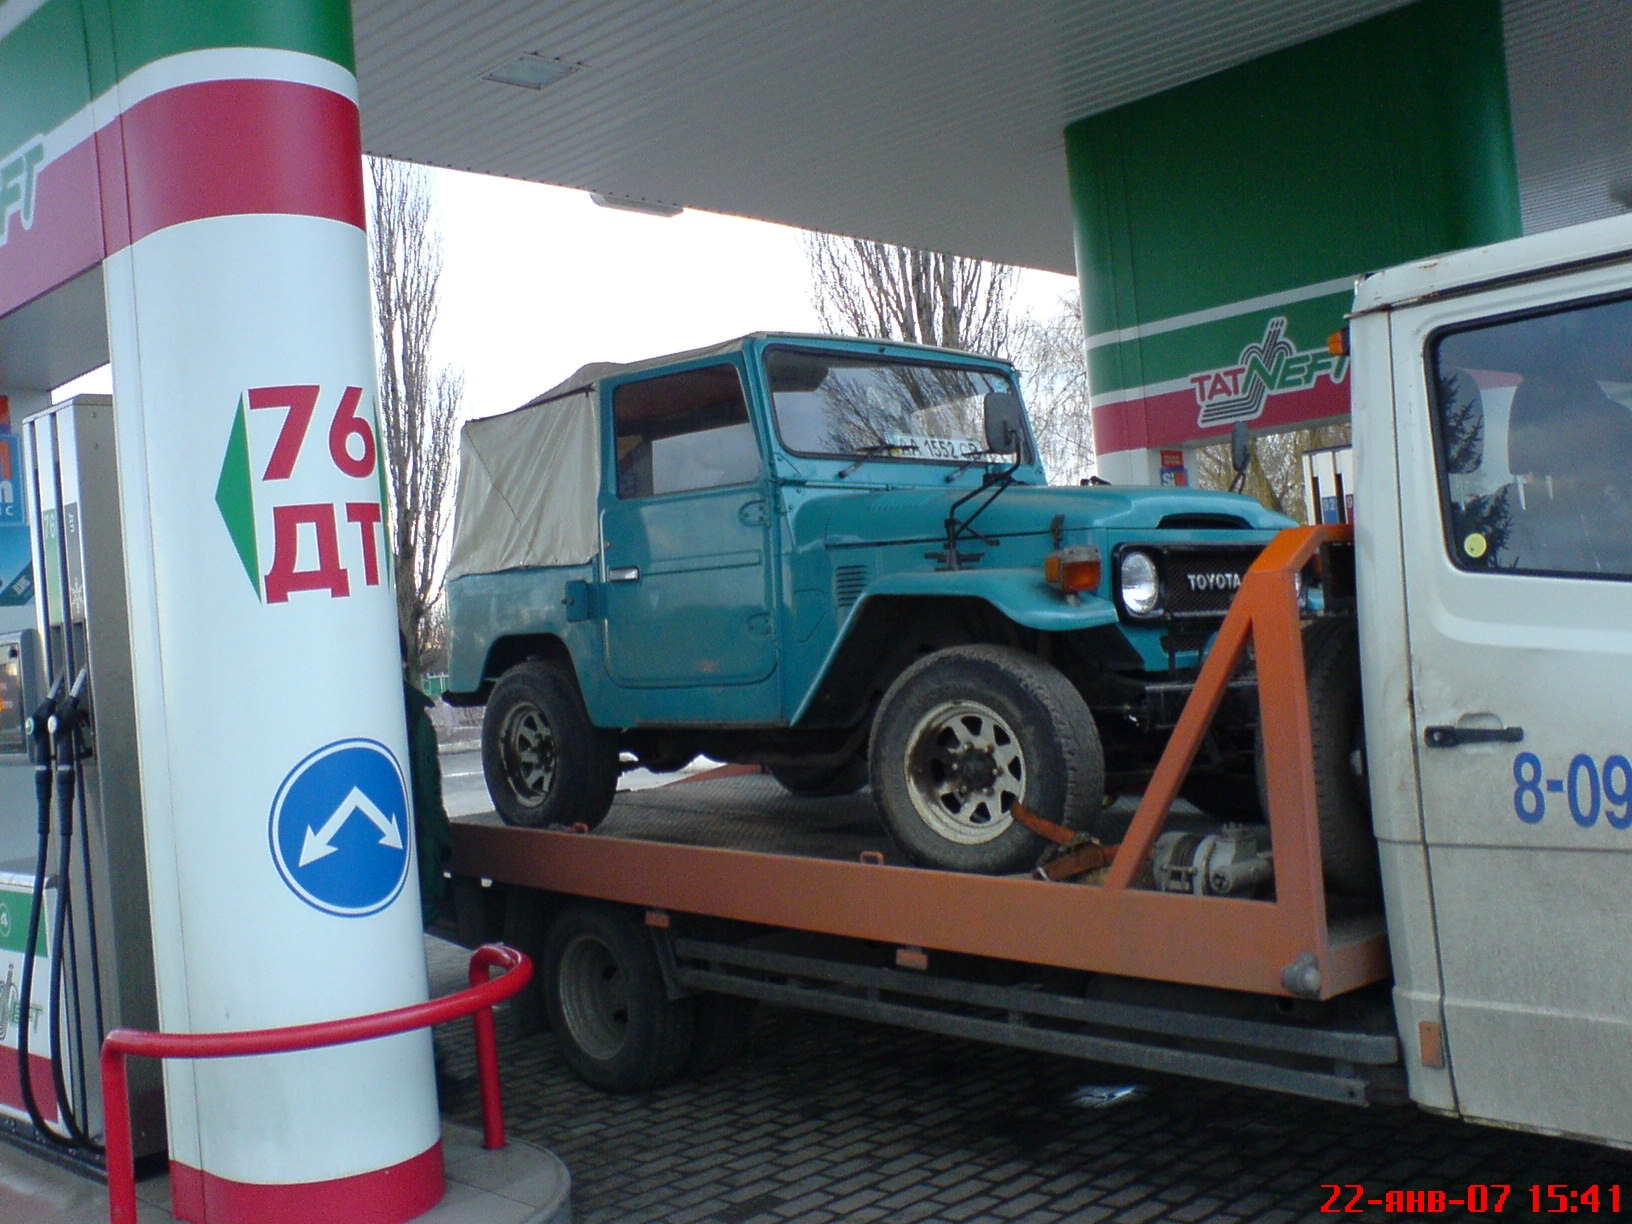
(1005, 423)
(1240, 448)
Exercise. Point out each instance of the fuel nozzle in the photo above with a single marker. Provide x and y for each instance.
(65, 724)
(70, 715)
(38, 725)
(38, 729)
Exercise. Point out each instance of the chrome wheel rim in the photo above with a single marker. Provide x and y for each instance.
(528, 747)
(965, 772)
(594, 997)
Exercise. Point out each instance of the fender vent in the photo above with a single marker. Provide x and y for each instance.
(849, 581)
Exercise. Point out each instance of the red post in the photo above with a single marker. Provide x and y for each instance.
(116, 1115)
(487, 1048)
(478, 1001)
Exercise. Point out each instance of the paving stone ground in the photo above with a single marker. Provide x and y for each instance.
(822, 1119)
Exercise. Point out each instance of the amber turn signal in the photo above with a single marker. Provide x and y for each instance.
(1074, 569)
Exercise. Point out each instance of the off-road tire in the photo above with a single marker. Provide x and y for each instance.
(544, 762)
(822, 781)
(1348, 848)
(963, 713)
(614, 1023)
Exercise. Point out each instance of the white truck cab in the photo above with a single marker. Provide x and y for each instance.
(1493, 452)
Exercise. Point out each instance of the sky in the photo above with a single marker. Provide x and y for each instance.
(538, 281)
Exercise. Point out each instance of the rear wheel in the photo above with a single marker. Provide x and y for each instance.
(544, 761)
(966, 733)
(722, 1026)
(822, 781)
(611, 1015)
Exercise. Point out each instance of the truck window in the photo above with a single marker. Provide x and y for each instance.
(843, 406)
(680, 432)
(1533, 437)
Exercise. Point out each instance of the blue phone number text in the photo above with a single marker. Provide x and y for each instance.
(1589, 789)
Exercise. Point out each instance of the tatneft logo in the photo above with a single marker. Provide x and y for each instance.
(1266, 367)
(18, 173)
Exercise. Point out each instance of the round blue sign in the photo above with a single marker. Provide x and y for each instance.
(340, 829)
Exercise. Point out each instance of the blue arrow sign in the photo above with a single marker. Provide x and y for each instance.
(340, 830)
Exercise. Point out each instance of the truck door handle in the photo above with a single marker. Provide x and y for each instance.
(624, 573)
(1451, 737)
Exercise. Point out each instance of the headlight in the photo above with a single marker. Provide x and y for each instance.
(1138, 583)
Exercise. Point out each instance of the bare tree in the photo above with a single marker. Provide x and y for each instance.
(873, 289)
(1275, 473)
(419, 402)
(1053, 368)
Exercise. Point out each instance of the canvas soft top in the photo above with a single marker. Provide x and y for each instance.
(528, 478)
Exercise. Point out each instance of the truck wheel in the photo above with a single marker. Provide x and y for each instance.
(613, 1020)
(545, 763)
(721, 1030)
(821, 781)
(965, 733)
(1348, 849)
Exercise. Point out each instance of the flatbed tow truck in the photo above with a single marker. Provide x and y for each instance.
(748, 891)
(1486, 979)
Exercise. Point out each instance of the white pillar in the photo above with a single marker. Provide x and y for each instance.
(271, 733)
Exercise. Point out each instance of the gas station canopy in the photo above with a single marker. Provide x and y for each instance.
(936, 125)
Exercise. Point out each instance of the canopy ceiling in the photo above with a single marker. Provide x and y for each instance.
(929, 124)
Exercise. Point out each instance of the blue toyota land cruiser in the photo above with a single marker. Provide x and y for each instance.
(839, 559)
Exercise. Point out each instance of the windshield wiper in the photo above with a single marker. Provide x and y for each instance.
(864, 453)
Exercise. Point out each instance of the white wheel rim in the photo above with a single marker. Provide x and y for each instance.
(965, 771)
(594, 997)
(527, 746)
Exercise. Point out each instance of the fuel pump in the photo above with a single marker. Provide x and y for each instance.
(84, 955)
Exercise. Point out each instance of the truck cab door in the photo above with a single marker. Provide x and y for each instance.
(685, 530)
(1514, 450)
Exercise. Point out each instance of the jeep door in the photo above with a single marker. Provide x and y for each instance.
(684, 531)
(1515, 525)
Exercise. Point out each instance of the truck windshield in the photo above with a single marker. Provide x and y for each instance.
(853, 406)
(1533, 434)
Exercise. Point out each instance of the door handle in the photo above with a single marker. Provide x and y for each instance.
(1451, 737)
(624, 573)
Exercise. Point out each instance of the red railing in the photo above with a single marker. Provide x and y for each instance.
(477, 1001)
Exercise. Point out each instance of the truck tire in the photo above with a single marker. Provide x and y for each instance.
(965, 733)
(1348, 848)
(720, 1032)
(612, 1017)
(544, 762)
(821, 781)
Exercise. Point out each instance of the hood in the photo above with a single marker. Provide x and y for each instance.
(864, 517)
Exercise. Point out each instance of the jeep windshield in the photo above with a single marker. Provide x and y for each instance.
(852, 406)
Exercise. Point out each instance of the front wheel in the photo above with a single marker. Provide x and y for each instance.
(544, 761)
(1348, 848)
(966, 733)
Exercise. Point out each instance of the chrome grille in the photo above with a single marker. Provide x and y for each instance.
(1202, 581)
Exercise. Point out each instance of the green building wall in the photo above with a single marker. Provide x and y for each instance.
(1207, 213)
